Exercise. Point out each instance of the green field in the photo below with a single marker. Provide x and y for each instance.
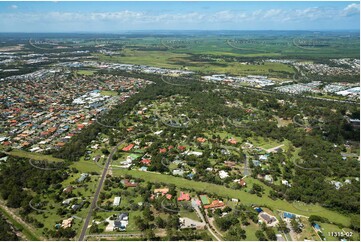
(251, 231)
(328, 229)
(109, 93)
(85, 72)
(170, 59)
(243, 196)
(34, 156)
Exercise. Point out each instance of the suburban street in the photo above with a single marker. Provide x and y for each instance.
(196, 208)
(96, 194)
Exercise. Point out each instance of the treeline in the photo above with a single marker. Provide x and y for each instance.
(7, 231)
(19, 180)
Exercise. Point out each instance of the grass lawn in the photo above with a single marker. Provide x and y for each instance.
(89, 165)
(355, 235)
(172, 59)
(328, 228)
(192, 215)
(85, 72)
(263, 143)
(251, 231)
(243, 196)
(250, 181)
(151, 58)
(109, 93)
(34, 156)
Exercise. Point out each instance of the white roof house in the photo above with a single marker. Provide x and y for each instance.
(116, 201)
(268, 178)
(223, 174)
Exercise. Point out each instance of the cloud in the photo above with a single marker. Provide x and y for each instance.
(14, 6)
(192, 19)
(351, 9)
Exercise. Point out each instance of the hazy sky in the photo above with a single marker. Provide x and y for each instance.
(120, 16)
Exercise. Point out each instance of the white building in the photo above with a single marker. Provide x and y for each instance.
(116, 201)
(223, 174)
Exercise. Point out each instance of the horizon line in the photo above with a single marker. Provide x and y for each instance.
(174, 30)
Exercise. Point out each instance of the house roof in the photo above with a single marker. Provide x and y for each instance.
(146, 161)
(232, 141)
(161, 190)
(181, 148)
(128, 183)
(267, 217)
(184, 196)
(128, 148)
(201, 140)
(215, 204)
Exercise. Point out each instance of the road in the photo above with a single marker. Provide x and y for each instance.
(198, 211)
(136, 235)
(274, 148)
(247, 170)
(132, 235)
(96, 195)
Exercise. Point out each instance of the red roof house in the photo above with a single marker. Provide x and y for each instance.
(184, 197)
(181, 148)
(214, 204)
(242, 182)
(128, 148)
(232, 141)
(201, 140)
(146, 161)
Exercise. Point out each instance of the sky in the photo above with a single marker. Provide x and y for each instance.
(113, 17)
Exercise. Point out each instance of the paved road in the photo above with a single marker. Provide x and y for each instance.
(274, 148)
(96, 195)
(247, 169)
(137, 235)
(198, 211)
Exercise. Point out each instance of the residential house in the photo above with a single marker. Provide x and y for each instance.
(121, 222)
(268, 178)
(82, 177)
(66, 223)
(242, 183)
(223, 174)
(129, 183)
(128, 147)
(116, 201)
(68, 189)
(184, 197)
(214, 204)
(266, 218)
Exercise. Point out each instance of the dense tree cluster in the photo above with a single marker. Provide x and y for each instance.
(7, 232)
